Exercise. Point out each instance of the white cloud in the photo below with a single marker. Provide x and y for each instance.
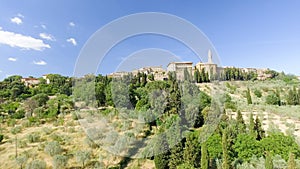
(24, 42)
(0, 71)
(12, 59)
(72, 24)
(16, 20)
(41, 62)
(47, 36)
(0, 28)
(72, 40)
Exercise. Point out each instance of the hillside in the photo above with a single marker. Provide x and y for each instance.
(46, 129)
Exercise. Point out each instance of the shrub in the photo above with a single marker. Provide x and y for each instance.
(60, 161)
(33, 137)
(36, 164)
(273, 99)
(16, 130)
(82, 157)
(258, 93)
(53, 148)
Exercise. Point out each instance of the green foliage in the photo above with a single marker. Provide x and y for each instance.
(278, 143)
(33, 137)
(269, 161)
(291, 162)
(60, 162)
(1, 137)
(248, 95)
(192, 149)
(241, 126)
(21, 160)
(293, 97)
(53, 148)
(247, 146)
(176, 155)
(161, 159)
(238, 74)
(257, 93)
(204, 156)
(185, 166)
(214, 146)
(229, 104)
(260, 133)
(273, 98)
(83, 157)
(225, 156)
(41, 98)
(36, 164)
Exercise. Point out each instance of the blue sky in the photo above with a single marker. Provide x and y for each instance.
(40, 37)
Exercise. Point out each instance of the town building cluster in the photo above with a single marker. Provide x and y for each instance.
(213, 70)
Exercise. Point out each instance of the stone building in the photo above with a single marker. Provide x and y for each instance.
(179, 68)
(210, 67)
(30, 81)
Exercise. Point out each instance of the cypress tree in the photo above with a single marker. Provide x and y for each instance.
(176, 155)
(258, 129)
(161, 160)
(240, 122)
(291, 162)
(251, 125)
(269, 161)
(248, 95)
(204, 156)
(225, 157)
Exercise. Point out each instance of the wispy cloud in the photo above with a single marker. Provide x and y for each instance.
(72, 40)
(41, 63)
(43, 26)
(47, 36)
(72, 24)
(24, 42)
(20, 15)
(12, 59)
(1, 71)
(16, 20)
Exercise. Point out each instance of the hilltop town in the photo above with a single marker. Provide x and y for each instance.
(185, 68)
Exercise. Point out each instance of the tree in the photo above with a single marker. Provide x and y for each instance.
(248, 95)
(41, 98)
(53, 148)
(247, 146)
(273, 98)
(241, 126)
(83, 157)
(60, 161)
(29, 105)
(252, 125)
(225, 157)
(21, 160)
(192, 149)
(214, 146)
(278, 143)
(257, 93)
(269, 161)
(176, 155)
(260, 133)
(291, 162)
(204, 156)
(162, 157)
(293, 97)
